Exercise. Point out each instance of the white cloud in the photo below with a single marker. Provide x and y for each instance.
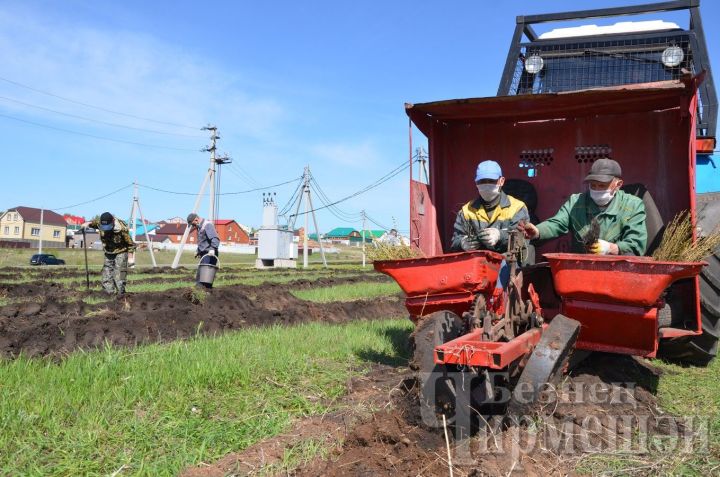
(128, 72)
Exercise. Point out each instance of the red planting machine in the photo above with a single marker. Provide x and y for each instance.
(545, 129)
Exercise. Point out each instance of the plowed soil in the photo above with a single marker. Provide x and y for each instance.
(53, 320)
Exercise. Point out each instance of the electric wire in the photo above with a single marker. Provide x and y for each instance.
(94, 136)
(106, 123)
(242, 178)
(338, 212)
(93, 200)
(377, 223)
(373, 185)
(157, 189)
(100, 108)
(245, 173)
(293, 199)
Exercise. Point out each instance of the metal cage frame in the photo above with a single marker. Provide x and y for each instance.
(707, 104)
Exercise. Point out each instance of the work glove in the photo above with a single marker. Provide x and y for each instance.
(489, 236)
(601, 247)
(469, 243)
(211, 252)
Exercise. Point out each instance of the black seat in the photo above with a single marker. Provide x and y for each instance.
(653, 220)
(524, 191)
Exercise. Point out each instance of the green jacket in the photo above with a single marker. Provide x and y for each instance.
(117, 240)
(621, 223)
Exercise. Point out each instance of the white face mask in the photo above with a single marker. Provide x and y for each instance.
(488, 192)
(602, 197)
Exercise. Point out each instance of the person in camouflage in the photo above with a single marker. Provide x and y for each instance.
(118, 247)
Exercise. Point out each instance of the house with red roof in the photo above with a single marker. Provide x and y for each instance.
(228, 230)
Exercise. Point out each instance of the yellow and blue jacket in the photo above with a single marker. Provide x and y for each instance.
(473, 218)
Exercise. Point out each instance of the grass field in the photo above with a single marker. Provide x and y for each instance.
(348, 292)
(76, 257)
(156, 409)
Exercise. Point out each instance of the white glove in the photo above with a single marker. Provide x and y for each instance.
(469, 243)
(211, 252)
(601, 247)
(489, 236)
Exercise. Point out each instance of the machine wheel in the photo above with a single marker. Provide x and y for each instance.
(545, 365)
(700, 350)
(437, 390)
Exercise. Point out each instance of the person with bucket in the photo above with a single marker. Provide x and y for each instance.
(207, 249)
(119, 251)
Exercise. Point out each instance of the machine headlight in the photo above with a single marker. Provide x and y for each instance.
(672, 56)
(533, 64)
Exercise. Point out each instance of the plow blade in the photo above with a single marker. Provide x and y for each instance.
(545, 364)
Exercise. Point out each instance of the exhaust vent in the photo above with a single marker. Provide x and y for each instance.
(588, 154)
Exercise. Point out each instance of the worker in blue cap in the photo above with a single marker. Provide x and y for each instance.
(484, 222)
(119, 251)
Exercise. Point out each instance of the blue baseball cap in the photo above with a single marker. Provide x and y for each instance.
(488, 170)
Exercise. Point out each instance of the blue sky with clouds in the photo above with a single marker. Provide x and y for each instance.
(287, 83)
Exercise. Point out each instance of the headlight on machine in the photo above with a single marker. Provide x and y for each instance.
(533, 64)
(672, 56)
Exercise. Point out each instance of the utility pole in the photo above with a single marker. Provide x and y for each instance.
(134, 212)
(209, 178)
(308, 210)
(422, 164)
(363, 236)
(42, 213)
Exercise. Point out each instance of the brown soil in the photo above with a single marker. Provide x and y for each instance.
(394, 441)
(366, 394)
(54, 321)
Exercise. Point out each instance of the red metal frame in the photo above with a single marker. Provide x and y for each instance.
(470, 350)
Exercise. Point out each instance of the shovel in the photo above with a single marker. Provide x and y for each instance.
(87, 271)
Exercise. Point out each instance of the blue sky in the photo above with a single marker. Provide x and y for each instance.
(287, 83)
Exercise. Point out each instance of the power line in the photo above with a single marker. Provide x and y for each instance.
(95, 199)
(293, 199)
(96, 107)
(43, 108)
(376, 223)
(375, 184)
(326, 200)
(156, 189)
(122, 141)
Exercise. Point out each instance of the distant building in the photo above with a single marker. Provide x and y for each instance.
(231, 232)
(342, 235)
(228, 230)
(173, 233)
(22, 224)
(371, 235)
(74, 222)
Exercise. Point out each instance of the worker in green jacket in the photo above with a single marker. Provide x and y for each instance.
(619, 216)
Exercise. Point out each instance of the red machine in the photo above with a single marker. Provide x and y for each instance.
(545, 143)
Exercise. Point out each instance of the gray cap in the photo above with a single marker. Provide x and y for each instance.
(604, 170)
(191, 217)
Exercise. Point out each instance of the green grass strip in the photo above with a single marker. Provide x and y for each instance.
(348, 292)
(156, 409)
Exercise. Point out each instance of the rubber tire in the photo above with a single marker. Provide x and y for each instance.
(431, 331)
(700, 350)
